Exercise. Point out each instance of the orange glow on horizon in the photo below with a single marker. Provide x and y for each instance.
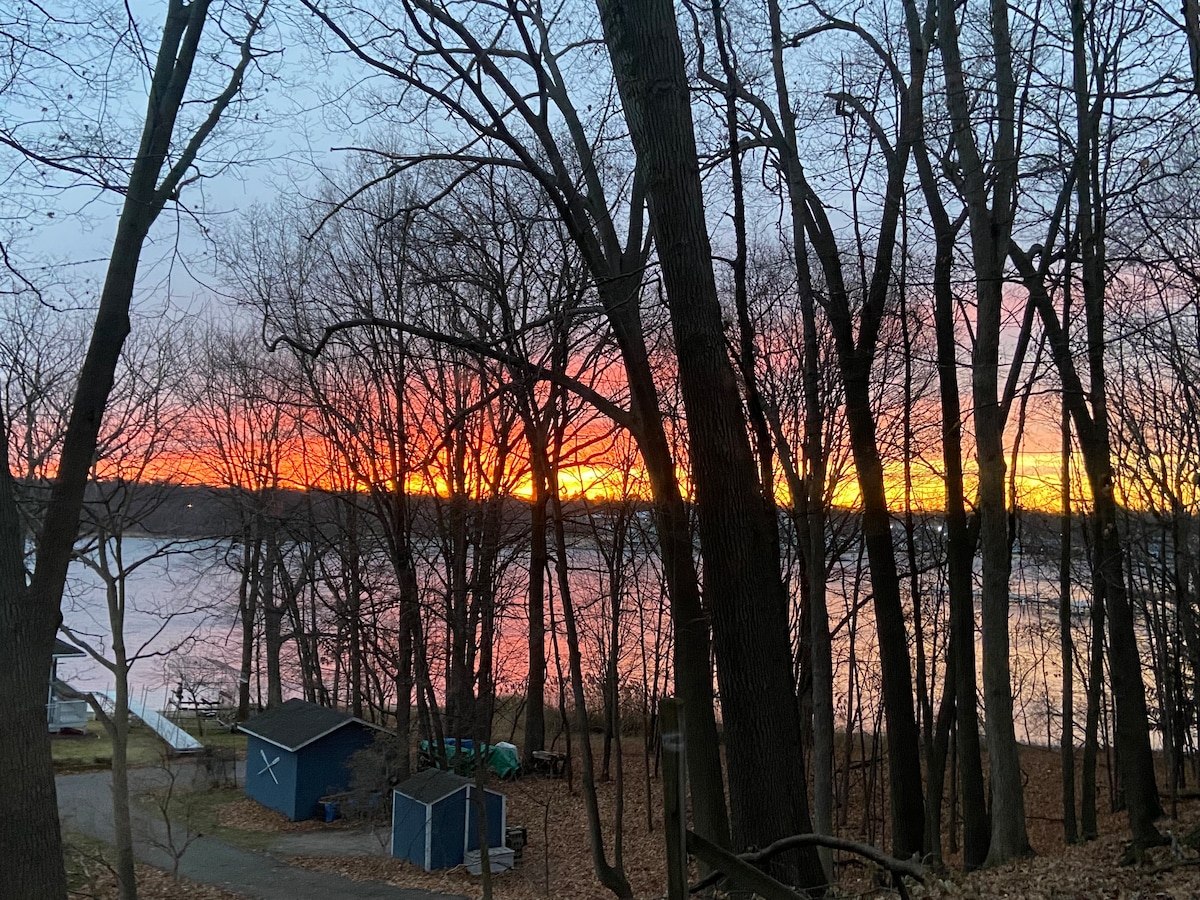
(613, 473)
(1038, 481)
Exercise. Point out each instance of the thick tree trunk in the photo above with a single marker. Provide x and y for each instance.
(1008, 838)
(743, 584)
(31, 844)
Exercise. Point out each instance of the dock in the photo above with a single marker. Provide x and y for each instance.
(176, 738)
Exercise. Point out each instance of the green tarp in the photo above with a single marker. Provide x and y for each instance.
(501, 758)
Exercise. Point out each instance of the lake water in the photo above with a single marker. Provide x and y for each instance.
(181, 604)
(180, 601)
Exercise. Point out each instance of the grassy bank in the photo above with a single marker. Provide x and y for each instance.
(93, 750)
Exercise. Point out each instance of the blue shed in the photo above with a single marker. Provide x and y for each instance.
(299, 752)
(435, 820)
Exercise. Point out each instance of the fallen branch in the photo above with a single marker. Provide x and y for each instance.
(912, 869)
(744, 862)
(737, 870)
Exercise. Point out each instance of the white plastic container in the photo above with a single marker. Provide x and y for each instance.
(500, 859)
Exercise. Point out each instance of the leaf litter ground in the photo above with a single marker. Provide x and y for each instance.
(557, 860)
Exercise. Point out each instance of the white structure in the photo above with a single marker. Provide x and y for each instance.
(63, 711)
(177, 739)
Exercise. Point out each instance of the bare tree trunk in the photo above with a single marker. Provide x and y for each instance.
(744, 589)
(1132, 732)
(612, 695)
(990, 221)
(355, 591)
(856, 348)
(811, 495)
(409, 634)
(935, 779)
(1108, 568)
(116, 724)
(612, 876)
(122, 822)
(1088, 827)
(959, 542)
(30, 616)
(485, 693)
(248, 602)
(693, 658)
(535, 692)
(1134, 755)
(272, 609)
(1067, 641)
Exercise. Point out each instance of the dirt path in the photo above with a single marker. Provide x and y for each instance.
(85, 805)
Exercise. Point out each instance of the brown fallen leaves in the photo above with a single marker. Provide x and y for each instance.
(248, 815)
(557, 861)
(152, 884)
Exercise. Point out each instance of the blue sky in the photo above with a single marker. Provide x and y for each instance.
(60, 236)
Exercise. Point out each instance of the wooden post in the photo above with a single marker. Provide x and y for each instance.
(674, 797)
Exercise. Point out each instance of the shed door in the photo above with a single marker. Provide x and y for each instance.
(495, 820)
(446, 831)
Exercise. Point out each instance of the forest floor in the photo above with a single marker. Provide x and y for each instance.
(557, 862)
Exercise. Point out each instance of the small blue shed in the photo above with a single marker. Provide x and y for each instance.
(299, 752)
(435, 820)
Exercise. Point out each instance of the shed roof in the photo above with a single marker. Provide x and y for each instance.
(297, 723)
(62, 648)
(432, 785)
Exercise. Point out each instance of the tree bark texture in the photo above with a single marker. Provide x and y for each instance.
(611, 875)
(742, 582)
(1110, 597)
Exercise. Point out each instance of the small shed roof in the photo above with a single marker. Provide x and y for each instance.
(297, 723)
(432, 785)
(63, 649)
